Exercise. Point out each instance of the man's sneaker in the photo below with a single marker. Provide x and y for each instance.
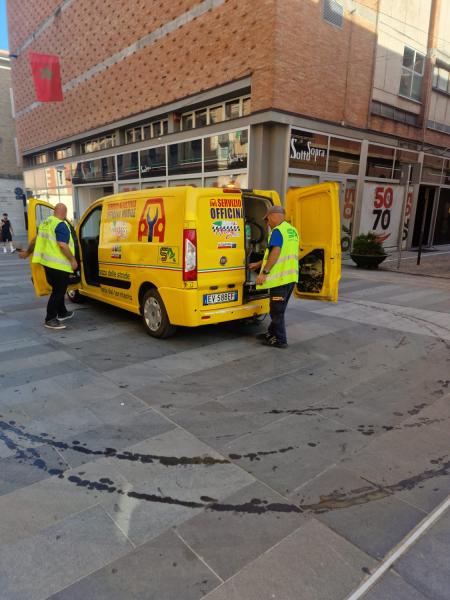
(13, 250)
(274, 343)
(54, 324)
(263, 336)
(69, 314)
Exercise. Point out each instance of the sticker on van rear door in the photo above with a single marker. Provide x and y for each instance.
(152, 223)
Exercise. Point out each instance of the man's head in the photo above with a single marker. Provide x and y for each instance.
(60, 211)
(275, 215)
(5, 215)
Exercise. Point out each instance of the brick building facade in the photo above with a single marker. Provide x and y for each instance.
(269, 93)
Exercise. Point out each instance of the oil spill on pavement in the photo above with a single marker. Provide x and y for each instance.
(167, 461)
(309, 411)
(338, 500)
(335, 500)
(257, 455)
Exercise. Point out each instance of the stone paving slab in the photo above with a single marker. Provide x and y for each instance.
(155, 571)
(393, 587)
(313, 563)
(426, 564)
(172, 490)
(228, 539)
(35, 567)
(353, 515)
(16, 473)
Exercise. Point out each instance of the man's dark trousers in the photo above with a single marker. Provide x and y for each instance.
(59, 281)
(279, 298)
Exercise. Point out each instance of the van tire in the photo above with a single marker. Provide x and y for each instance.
(154, 316)
(75, 297)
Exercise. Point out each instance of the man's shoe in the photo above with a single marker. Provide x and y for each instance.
(13, 250)
(54, 324)
(69, 314)
(274, 343)
(263, 336)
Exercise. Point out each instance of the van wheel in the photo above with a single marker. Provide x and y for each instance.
(154, 315)
(75, 297)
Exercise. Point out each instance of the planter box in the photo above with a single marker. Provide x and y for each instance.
(368, 261)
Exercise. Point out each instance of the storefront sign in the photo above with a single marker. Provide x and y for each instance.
(308, 151)
(381, 212)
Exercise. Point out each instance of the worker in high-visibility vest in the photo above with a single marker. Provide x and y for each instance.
(54, 249)
(278, 271)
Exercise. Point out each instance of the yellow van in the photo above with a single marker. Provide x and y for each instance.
(180, 255)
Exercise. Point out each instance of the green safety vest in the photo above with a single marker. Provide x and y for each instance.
(285, 270)
(46, 250)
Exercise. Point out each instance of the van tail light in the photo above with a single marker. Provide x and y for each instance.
(190, 255)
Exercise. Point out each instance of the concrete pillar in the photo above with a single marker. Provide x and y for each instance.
(268, 157)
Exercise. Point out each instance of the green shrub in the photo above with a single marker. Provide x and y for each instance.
(367, 243)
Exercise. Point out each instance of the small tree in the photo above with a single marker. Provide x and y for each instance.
(367, 244)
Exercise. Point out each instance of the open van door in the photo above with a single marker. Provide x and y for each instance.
(314, 211)
(38, 211)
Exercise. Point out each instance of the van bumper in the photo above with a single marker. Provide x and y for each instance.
(182, 309)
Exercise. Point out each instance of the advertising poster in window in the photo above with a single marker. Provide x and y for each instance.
(381, 212)
(347, 198)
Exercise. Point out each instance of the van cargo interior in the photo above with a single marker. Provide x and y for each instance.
(256, 238)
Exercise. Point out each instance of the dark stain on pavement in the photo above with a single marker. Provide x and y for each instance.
(257, 455)
(309, 411)
(167, 461)
(333, 501)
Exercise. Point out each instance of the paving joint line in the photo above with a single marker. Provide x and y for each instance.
(404, 545)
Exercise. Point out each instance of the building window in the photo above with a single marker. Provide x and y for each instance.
(103, 143)
(380, 162)
(232, 109)
(187, 121)
(391, 112)
(201, 118)
(344, 156)
(333, 12)
(185, 157)
(412, 74)
(432, 169)
(41, 158)
(216, 114)
(155, 129)
(441, 79)
(61, 153)
(153, 162)
(226, 151)
(101, 169)
(128, 166)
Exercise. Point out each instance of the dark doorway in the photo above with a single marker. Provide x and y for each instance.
(424, 191)
(442, 229)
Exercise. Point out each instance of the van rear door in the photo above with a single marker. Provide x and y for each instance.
(314, 211)
(221, 252)
(38, 211)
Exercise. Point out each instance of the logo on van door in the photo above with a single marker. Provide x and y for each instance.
(152, 224)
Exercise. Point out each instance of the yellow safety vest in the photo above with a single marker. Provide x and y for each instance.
(285, 270)
(46, 250)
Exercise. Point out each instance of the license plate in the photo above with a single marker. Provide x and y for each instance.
(219, 298)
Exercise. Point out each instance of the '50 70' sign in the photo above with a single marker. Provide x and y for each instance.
(381, 212)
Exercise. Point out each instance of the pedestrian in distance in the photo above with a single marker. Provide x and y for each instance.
(54, 249)
(7, 233)
(278, 272)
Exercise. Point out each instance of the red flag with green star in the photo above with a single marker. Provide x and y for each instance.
(47, 77)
